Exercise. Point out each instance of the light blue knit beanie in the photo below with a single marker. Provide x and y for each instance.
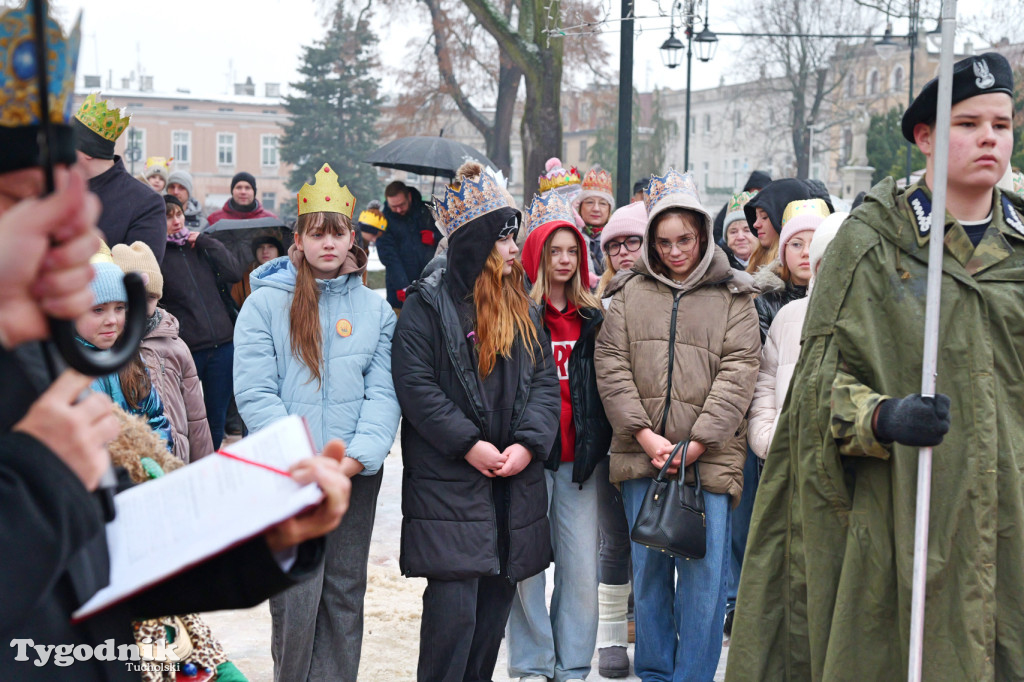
(107, 283)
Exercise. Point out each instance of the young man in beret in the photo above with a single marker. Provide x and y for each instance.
(826, 586)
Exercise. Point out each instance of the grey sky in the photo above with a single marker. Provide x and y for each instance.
(204, 45)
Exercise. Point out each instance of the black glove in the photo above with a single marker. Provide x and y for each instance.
(914, 420)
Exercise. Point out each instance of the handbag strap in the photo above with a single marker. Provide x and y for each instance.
(685, 445)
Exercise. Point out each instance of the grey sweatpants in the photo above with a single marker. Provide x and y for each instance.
(318, 624)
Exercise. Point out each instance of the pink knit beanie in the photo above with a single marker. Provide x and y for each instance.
(628, 221)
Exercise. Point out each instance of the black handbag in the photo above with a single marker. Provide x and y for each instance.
(671, 518)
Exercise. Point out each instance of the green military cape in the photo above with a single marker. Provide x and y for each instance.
(826, 584)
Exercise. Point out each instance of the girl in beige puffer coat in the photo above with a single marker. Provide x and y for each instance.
(677, 360)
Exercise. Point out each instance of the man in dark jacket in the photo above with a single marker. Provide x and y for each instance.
(132, 211)
(243, 204)
(409, 242)
(53, 455)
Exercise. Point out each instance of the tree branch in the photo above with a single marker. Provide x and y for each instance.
(444, 67)
(494, 22)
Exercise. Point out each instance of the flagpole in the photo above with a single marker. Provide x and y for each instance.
(929, 365)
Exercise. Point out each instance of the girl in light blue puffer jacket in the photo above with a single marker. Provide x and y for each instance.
(312, 340)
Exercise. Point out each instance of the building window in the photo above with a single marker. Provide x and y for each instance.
(270, 201)
(737, 119)
(897, 79)
(135, 149)
(565, 150)
(268, 150)
(873, 82)
(225, 149)
(181, 146)
(707, 166)
(851, 84)
(583, 150)
(707, 123)
(693, 124)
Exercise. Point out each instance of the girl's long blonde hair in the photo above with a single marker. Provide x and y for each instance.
(502, 313)
(304, 315)
(575, 290)
(762, 256)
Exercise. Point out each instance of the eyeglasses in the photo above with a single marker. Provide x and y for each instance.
(612, 248)
(684, 244)
(796, 245)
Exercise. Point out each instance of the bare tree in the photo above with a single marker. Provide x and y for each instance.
(807, 68)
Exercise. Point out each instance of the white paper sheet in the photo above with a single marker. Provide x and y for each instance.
(181, 519)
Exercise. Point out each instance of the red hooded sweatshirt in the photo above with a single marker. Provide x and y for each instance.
(563, 325)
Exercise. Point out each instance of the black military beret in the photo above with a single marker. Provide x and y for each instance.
(977, 75)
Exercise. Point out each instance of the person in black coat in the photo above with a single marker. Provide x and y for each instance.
(52, 457)
(757, 181)
(198, 273)
(478, 423)
(409, 243)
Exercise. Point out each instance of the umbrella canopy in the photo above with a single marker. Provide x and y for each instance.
(238, 235)
(426, 156)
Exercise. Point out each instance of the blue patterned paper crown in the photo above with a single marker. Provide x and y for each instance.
(672, 183)
(549, 208)
(475, 197)
(20, 103)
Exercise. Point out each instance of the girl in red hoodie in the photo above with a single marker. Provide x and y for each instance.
(560, 645)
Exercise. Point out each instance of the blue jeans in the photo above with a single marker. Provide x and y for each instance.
(560, 646)
(679, 627)
(741, 523)
(213, 365)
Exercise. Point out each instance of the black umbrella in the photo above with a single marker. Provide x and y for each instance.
(238, 235)
(426, 156)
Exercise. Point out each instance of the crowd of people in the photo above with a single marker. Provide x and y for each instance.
(541, 364)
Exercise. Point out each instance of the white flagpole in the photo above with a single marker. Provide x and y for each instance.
(936, 238)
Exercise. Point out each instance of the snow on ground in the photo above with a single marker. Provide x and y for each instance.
(392, 608)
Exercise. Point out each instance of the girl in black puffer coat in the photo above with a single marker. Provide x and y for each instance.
(480, 403)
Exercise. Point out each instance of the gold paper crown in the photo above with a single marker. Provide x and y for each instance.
(549, 208)
(19, 90)
(558, 177)
(474, 197)
(325, 195)
(597, 179)
(374, 220)
(672, 183)
(161, 161)
(812, 207)
(105, 122)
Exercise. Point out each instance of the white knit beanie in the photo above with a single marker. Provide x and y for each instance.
(823, 237)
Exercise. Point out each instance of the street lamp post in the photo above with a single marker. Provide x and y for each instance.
(706, 41)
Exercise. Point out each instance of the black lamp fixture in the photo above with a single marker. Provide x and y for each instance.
(933, 39)
(672, 50)
(886, 47)
(707, 43)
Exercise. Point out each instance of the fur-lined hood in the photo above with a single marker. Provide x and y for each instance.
(767, 278)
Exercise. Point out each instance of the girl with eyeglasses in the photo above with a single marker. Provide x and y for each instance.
(480, 405)
(621, 241)
(677, 359)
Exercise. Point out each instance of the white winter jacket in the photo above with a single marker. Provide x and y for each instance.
(778, 360)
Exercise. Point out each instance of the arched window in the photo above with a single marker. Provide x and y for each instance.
(873, 82)
(896, 80)
(851, 84)
(846, 146)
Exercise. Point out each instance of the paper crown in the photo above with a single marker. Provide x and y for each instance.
(325, 195)
(670, 184)
(19, 91)
(549, 208)
(556, 177)
(597, 179)
(816, 208)
(474, 197)
(374, 220)
(161, 161)
(738, 201)
(98, 117)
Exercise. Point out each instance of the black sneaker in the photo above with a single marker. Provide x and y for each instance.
(727, 630)
(613, 662)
